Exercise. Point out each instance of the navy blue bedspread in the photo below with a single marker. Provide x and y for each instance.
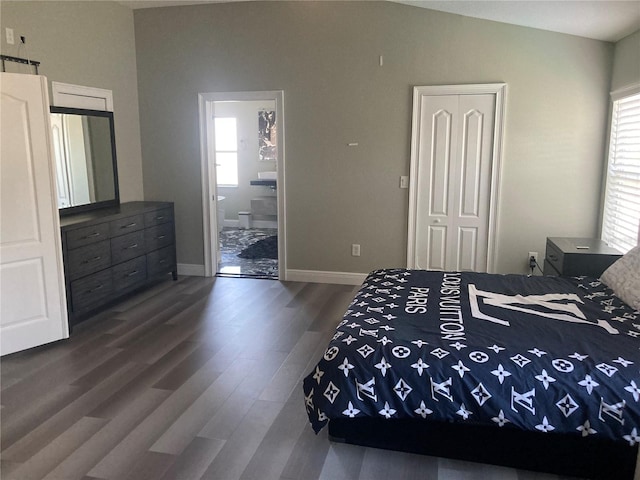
(547, 354)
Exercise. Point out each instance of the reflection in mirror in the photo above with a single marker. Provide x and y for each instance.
(86, 169)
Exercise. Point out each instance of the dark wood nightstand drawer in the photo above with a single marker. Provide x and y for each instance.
(126, 225)
(161, 261)
(549, 269)
(88, 259)
(553, 256)
(126, 247)
(158, 236)
(129, 273)
(91, 290)
(158, 217)
(87, 235)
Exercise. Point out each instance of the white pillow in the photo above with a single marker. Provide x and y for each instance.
(623, 277)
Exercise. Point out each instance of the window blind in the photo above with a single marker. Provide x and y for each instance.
(621, 213)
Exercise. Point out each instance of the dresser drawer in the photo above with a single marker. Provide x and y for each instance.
(129, 273)
(90, 290)
(158, 217)
(126, 225)
(158, 236)
(126, 247)
(88, 259)
(161, 261)
(106, 253)
(87, 235)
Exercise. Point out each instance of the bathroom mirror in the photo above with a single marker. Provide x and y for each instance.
(85, 151)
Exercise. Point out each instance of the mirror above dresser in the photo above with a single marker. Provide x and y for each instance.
(86, 162)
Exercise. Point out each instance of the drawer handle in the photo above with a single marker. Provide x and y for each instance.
(553, 257)
(94, 259)
(134, 245)
(92, 235)
(161, 217)
(162, 261)
(160, 237)
(129, 225)
(135, 272)
(95, 289)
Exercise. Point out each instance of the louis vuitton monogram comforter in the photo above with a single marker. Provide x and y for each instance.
(547, 354)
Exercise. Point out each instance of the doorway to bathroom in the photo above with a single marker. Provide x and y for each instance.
(243, 184)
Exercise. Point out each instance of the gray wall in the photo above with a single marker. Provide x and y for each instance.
(90, 44)
(626, 62)
(324, 55)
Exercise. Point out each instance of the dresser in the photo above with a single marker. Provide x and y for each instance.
(574, 257)
(110, 252)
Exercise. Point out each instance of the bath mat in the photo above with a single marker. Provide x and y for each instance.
(265, 248)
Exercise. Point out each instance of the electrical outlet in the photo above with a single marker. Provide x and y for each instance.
(9, 35)
(355, 250)
(533, 255)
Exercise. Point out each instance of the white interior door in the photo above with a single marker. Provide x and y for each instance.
(32, 296)
(451, 181)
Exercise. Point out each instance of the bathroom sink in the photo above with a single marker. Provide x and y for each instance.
(268, 175)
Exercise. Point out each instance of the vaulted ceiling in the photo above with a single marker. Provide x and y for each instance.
(608, 20)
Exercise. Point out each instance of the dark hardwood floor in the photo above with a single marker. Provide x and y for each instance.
(194, 379)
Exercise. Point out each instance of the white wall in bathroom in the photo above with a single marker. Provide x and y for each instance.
(238, 198)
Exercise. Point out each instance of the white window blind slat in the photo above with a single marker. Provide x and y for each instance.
(621, 213)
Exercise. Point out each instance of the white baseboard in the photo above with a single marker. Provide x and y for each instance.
(315, 276)
(190, 270)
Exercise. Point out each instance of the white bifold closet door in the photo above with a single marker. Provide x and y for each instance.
(32, 296)
(453, 181)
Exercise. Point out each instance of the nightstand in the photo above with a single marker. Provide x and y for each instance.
(573, 257)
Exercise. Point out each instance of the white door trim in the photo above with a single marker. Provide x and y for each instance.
(79, 96)
(497, 89)
(207, 158)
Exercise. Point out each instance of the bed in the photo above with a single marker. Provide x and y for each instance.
(541, 373)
